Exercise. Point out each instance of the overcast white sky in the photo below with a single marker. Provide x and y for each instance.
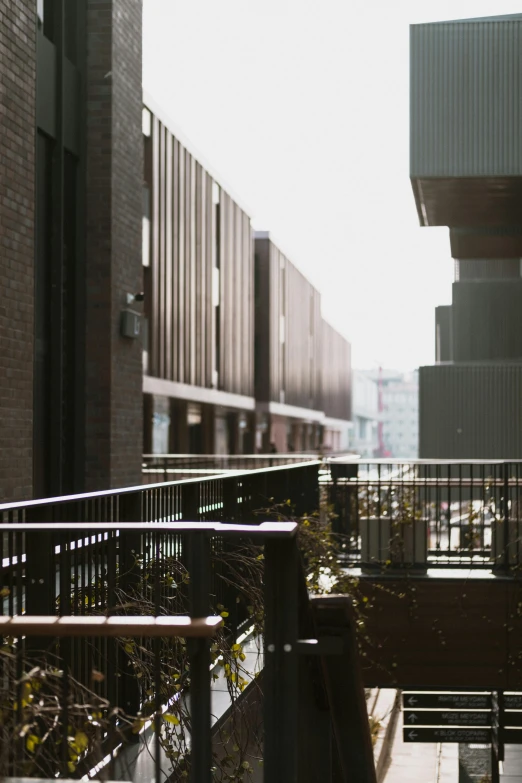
(302, 107)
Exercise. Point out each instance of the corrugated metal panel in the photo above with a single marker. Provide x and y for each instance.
(465, 99)
(443, 334)
(487, 320)
(470, 411)
(487, 269)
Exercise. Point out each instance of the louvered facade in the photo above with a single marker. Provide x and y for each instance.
(303, 366)
(199, 302)
(466, 173)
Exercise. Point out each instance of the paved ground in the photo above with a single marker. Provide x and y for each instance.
(422, 762)
(512, 765)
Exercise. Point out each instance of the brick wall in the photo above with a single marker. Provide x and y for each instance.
(114, 410)
(17, 145)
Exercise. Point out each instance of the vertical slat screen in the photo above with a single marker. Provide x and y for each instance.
(183, 255)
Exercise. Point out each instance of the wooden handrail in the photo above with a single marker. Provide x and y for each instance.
(125, 625)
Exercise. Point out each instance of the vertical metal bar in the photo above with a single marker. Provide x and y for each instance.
(56, 408)
(505, 510)
(64, 715)
(281, 692)
(157, 661)
(198, 557)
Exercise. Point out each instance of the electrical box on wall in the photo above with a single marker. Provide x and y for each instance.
(130, 324)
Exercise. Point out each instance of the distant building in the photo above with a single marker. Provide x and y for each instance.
(364, 436)
(302, 365)
(400, 412)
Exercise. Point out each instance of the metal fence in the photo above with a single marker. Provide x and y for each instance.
(175, 467)
(428, 513)
(75, 705)
(164, 551)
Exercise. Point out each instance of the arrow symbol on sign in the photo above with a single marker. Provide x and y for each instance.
(412, 735)
(413, 717)
(412, 701)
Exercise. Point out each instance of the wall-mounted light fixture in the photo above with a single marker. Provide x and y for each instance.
(130, 325)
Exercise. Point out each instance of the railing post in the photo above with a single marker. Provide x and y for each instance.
(198, 559)
(505, 514)
(130, 545)
(231, 513)
(281, 675)
(40, 590)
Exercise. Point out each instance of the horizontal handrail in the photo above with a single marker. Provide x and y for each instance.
(142, 488)
(263, 530)
(110, 627)
(428, 461)
(275, 455)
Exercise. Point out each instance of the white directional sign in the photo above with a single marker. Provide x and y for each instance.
(446, 718)
(469, 735)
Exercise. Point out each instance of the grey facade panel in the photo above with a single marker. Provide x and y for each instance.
(443, 334)
(336, 374)
(487, 320)
(470, 411)
(487, 269)
(465, 98)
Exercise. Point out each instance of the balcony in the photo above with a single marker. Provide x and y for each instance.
(176, 629)
(167, 629)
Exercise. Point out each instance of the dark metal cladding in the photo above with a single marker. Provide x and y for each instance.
(466, 98)
(200, 281)
(443, 334)
(465, 104)
(471, 411)
(487, 320)
(288, 320)
(336, 376)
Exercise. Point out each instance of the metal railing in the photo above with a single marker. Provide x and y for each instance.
(428, 513)
(165, 549)
(85, 692)
(175, 467)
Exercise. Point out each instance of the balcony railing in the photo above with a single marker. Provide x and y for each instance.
(176, 467)
(117, 567)
(170, 550)
(423, 513)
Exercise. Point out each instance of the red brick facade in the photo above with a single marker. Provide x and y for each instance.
(17, 181)
(114, 414)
